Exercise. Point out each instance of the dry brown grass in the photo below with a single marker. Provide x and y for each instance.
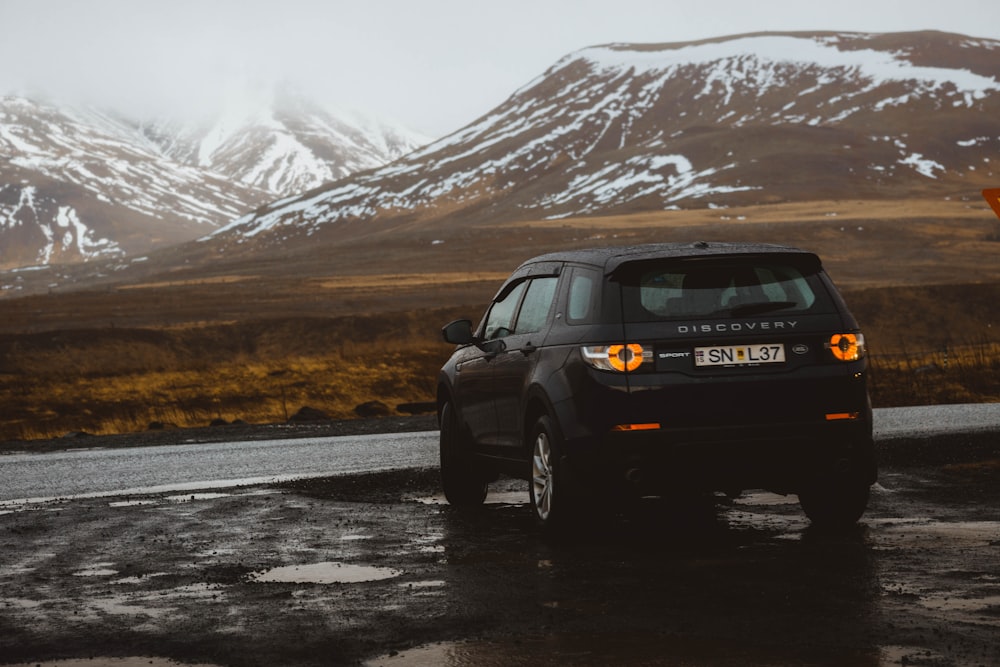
(115, 381)
(265, 391)
(931, 344)
(951, 374)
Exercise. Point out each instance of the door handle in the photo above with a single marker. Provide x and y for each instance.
(492, 348)
(528, 349)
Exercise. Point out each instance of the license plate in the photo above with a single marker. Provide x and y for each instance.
(739, 355)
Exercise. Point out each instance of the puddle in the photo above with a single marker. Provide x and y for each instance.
(17, 506)
(20, 603)
(432, 583)
(787, 527)
(190, 497)
(903, 655)
(214, 553)
(492, 498)
(600, 650)
(325, 573)
(432, 549)
(981, 605)
(97, 570)
(766, 499)
(507, 498)
(131, 609)
(140, 579)
(132, 503)
(940, 534)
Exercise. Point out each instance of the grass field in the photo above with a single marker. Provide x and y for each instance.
(122, 380)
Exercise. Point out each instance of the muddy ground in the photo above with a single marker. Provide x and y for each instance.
(376, 569)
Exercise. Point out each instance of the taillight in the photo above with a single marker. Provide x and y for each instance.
(618, 357)
(847, 346)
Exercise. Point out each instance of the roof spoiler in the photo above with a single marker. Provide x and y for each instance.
(805, 261)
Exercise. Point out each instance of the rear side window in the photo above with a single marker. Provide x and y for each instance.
(705, 290)
(581, 295)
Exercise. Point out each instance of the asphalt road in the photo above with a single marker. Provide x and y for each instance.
(936, 420)
(191, 467)
(84, 473)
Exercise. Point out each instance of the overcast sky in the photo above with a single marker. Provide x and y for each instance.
(433, 65)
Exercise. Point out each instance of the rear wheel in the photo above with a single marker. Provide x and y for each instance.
(835, 503)
(552, 494)
(464, 484)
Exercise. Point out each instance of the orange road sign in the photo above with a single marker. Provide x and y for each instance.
(992, 195)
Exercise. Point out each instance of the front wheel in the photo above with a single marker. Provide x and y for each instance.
(464, 484)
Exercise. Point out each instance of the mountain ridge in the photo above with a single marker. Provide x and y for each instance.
(732, 121)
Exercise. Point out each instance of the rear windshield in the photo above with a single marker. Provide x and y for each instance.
(704, 290)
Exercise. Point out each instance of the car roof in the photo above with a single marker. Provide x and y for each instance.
(612, 257)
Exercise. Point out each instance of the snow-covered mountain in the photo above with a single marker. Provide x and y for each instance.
(285, 144)
(749, 119)
(78, 184)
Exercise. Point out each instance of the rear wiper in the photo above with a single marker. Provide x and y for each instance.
(762, 307)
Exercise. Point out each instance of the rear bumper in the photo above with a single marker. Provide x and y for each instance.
(776, 431)
(782, 458)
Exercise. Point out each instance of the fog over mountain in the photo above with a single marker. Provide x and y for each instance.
(78, 183)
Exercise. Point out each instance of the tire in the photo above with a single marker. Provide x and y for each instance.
(551, 491)
(463, 483)
(835, 503)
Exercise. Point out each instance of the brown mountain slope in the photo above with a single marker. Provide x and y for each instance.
(739, 121)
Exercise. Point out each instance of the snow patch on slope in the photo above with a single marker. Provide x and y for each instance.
(64, 233)
(876, 67)
(923, 166)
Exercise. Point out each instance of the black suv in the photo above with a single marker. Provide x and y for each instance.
(655, 369)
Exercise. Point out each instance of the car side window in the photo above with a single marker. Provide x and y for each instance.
(500, 319)
(536, 306)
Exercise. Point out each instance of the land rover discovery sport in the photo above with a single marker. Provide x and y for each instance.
(659, 369)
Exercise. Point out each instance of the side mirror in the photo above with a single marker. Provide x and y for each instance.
(458, 332)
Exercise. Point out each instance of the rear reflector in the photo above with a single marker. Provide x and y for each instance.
(636, 427)
(834, 416)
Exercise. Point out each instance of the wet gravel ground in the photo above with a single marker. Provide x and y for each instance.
(376, 569)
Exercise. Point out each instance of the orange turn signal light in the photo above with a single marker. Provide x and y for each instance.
(847, 346)
(617, 357)
(625, 357)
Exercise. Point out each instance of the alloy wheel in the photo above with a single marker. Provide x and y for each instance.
(541, 475)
